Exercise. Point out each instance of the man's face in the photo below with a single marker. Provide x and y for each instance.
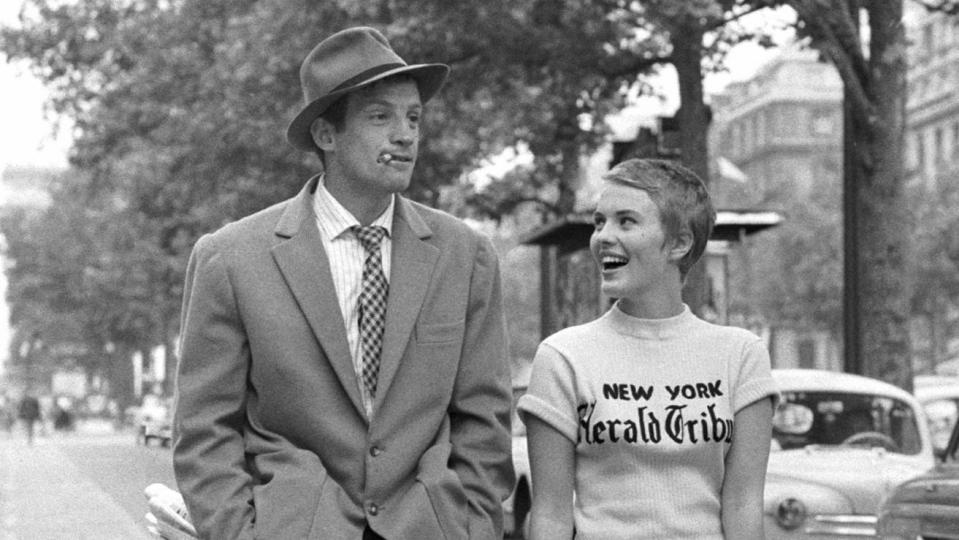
(381, 120)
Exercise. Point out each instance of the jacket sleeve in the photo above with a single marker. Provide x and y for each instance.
(482, 401)
(211, 386)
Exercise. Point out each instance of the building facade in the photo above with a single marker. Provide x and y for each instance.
(932, 107)
(783, 129)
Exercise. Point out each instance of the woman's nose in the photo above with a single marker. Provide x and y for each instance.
(602, 236)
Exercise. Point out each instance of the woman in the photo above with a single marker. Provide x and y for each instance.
(649, 422)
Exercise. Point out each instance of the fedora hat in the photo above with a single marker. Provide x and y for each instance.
(345, 61)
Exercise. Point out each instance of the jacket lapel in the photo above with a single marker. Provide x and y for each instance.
(411, 265)
(306, 269)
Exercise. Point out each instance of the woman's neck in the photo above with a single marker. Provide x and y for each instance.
(658, 307)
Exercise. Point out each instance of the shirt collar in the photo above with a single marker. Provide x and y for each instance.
(334, 219)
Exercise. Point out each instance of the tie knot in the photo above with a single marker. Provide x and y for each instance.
(370, 236)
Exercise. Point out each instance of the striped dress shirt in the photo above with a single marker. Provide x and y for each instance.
(346, 256)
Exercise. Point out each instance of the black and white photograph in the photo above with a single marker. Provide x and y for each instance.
(479, 270)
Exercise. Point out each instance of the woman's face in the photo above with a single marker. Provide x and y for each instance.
(630, 245)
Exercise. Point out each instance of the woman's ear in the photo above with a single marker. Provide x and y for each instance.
(322, 132)
(682, 243)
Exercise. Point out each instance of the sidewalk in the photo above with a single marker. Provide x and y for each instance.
(43, 496)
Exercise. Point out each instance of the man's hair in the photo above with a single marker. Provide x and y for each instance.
(679, 194)
(335, 113)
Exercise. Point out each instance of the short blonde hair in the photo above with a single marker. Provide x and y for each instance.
(679, 194)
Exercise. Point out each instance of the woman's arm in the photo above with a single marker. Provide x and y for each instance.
(552, 467)
(745, 479)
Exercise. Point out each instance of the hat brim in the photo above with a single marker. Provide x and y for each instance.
(429, 78)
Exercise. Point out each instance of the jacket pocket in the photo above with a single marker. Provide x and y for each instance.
(290, 476)
(440, 332)
(445, 491)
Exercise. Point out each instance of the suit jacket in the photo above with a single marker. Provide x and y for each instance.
(271, 440)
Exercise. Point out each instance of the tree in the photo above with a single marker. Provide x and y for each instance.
(873, 71)
(795, 273)
(935, 265)
(180, 107)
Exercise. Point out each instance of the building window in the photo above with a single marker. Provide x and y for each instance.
(940, 151)
(955, 140)
(806, 350)
(920, 153)
(822, 122)
(757, 131)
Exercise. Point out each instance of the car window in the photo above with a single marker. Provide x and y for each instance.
(837, 418)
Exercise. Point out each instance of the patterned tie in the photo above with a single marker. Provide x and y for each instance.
(373, 294)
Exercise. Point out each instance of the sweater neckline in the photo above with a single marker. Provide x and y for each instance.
(629, 325)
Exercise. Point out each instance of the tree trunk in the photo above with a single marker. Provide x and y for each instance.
(884, 287)
(121, 377)
(693, 122)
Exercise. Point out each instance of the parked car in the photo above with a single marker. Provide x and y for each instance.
(516, 507)
(927, 506)
(153, 421)
(840, 443)
(939, 396)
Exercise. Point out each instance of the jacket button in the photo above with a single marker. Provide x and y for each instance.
(375, 451)
(373, 509)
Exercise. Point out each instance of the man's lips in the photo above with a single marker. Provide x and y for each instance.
(387, 157)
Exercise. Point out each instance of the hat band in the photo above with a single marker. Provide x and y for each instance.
(372, 72)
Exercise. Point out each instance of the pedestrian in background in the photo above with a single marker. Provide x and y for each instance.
(343, 366)
(649, 422)
(28, 410)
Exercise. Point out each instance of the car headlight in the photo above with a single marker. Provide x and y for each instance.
(898, 528)
(790, 513)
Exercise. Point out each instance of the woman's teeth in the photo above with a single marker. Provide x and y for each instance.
(610, 262)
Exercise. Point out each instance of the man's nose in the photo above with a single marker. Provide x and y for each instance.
(405, 133)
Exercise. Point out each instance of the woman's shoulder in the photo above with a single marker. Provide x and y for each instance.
(580, 335)
(723, 332)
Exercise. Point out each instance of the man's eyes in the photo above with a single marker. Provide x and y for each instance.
(383, 116)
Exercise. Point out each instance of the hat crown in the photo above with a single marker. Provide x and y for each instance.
(343, 57)
(348, 60)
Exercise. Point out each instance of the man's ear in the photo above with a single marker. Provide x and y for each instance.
(322, 132)
(682, 243)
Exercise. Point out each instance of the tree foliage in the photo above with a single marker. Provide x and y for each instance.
(935, 266)
(179, 109)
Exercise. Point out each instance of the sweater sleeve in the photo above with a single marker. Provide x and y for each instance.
(754, 380)
(551, 396)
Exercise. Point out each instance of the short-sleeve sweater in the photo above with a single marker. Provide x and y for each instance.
(649, 404)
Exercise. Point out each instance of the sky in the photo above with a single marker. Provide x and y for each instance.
(25, 136)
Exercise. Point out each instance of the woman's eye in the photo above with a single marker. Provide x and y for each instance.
(627, 221)
(598, 223)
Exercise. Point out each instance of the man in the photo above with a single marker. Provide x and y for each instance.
(29, 412)
(343, 366)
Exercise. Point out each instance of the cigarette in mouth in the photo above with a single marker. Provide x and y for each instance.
(384, 158)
